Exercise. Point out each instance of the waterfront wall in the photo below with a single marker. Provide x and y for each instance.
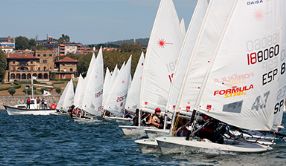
(13, 100)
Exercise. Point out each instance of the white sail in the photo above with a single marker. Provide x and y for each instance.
(79, 91)
(116, 100)
(186, 52)
(278, 111)
(92, 100)
(162, 53)
(110, 85)
(69, 97)
(61, 100)
(91, 67)
(234, 74)
(183, 27)
(133, 97)
(91, 64)
(107, 79)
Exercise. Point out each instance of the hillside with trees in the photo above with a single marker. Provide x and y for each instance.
(112, 58)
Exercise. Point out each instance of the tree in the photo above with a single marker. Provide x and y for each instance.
(22, 43)
(64, 39)
(12, 91)
(44, 89)
(28, 90)
(3, 64)
(83, 64)
(32, 44)
(58, 90)
(130, 47)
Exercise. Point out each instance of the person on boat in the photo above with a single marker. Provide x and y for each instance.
(38, 100)
(157, 120)
(45, 104)
(28, 102)
(211, 129)
(146, 119)
(136, 118)
(183, 127)
(42, 103)
(70, 110)
(127, 114)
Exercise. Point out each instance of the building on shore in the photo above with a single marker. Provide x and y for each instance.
(42, 64)
(7, 44)
(50, 42)
(65, 68)
(73, 48)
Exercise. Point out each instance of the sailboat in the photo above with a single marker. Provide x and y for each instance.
(133, 96)
(78, 91)
(224, 78)
(67, 98)
(92, 99)
(162, 53)
(108, 85)
(107, 80)
(150, 144)
(21, 109)
(116, 100)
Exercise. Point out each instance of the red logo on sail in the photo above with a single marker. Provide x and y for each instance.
(209, 107)
(162, 43)
(234, 91)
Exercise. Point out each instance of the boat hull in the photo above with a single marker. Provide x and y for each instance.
(18, 111)
(153, 133)
(133, 131)
(179, 145)
(119, 120)
(148, 145)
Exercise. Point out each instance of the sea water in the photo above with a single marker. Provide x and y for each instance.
(58, 140)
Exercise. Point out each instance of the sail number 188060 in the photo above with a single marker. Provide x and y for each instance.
(263, 55)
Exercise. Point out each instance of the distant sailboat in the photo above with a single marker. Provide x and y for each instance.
(79, 90)
(92, 100)
(117, 98)
(133, 97)
(107, 80)
(67, 97)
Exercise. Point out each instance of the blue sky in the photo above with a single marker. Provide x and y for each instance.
(86, 21)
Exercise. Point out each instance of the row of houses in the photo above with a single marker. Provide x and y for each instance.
(43, 64)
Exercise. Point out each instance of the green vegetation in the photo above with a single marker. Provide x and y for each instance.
(64, 39)
(12, 91)
(112, 58)
(58, 90)
(3, 65)
(27, 90)
(4, 87)
(44, 89)
(23, 43)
